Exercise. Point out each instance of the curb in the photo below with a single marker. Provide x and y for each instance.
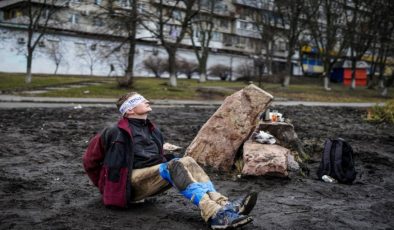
(59, 101)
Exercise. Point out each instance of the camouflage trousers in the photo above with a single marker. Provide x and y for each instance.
(186, 176)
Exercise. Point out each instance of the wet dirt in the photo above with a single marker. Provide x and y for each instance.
(43, 184)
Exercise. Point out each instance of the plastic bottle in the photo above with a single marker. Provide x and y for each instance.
(328, 179)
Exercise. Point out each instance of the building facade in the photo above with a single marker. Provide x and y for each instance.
(82, 37)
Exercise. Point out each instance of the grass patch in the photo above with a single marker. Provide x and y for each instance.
(16, 82)
(382, 113)
(151, 88)
(338, 93)
(154, 88)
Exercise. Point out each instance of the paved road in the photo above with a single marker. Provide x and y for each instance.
(11, 101)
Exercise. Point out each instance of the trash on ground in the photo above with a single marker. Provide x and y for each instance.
(273, 116)
(328, 179)
(171, 147)
(264, 138)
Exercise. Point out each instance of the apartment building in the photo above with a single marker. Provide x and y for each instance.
(89, 39)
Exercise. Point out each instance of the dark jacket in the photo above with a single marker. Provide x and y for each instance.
(108, 161)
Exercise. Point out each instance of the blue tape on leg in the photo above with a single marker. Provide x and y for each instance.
(164, 173)
(197, 190)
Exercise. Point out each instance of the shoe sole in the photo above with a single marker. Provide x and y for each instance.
(240, 223)
(250, 202)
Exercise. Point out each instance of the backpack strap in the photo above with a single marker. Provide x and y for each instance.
(325, 165)
(338, 170)
(348, 163)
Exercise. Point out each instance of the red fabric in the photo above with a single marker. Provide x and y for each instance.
(114, 192)
(98, 163)
(124, 124)
(93, 158)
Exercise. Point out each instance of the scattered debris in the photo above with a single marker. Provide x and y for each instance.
(171, 147)
(264, 138)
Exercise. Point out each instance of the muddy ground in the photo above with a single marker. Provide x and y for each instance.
(43, 185)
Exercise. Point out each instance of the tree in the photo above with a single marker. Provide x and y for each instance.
(201, 30)
(187, 67)
(290, 12)
(361, 27)
(124, 18)
(156, 64)
(88, 53)
(382, 45)
(221, 71)
(269, 29)
(245, 71)
(171, 23)
(325, 23)
(40, 14)
(268, 32)
(55, 52)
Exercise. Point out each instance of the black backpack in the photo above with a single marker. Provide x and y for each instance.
(337, 161)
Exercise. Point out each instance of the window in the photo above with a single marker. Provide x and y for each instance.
(98, 22)
(45, 13)
(21, 40)
(216, 36)
(124, 3)
(74, 18)
(141, 7)
(41, 44)
(196, 33)
(177, 15)
(227, 40)
(280, 46)
(80, 47)
(243, 25)
(224, 23)
(251, 44)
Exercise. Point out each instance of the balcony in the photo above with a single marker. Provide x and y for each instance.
(248, 33)
(10, 3)
(258, 4)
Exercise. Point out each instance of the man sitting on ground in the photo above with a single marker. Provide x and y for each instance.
(127, 163)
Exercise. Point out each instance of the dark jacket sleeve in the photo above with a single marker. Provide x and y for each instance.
(93, 158)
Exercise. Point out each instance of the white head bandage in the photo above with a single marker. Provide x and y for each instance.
(131, 103)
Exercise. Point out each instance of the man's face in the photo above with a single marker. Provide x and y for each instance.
(142, 108)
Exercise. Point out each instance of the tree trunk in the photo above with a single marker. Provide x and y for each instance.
(203, 71)
(268, 58)
(370, 81)
(29, 66)
(371, 75)
(384, 92)
(288, 70)
(326, 79)
(381, 83)
(172, 67)
(353, 83)
(203, 77)
(260, 73)
(156, 73)
(172, 80)
(130, 64)
(57, 67)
